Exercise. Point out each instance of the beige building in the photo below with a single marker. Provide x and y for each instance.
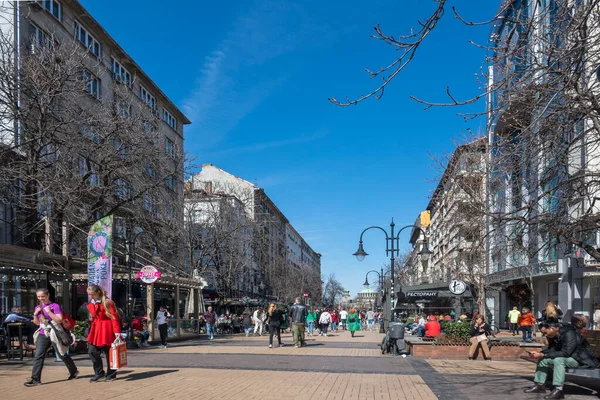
(282, 261)
(455, 225)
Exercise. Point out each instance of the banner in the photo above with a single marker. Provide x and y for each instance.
(100, 254)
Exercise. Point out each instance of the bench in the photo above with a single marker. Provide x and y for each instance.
(593, 338)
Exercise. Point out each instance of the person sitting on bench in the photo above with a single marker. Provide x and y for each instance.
(566, 349)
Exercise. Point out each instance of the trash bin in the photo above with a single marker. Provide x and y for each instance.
(397, 330)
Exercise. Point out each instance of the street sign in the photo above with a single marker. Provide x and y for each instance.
(305, 294)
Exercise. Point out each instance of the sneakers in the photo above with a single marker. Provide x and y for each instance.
(161, 346)
(111, 377)
(96, 378)
(489, 359)
(31, 383)
(470, 358)
(296, 346)
(325, 335)
(270, 346)
(145, 344)
(73, 376)
(280, 344)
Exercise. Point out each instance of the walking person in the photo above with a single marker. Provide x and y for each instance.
(353, 321)
(311, 319)
(596, 318)
(44, 313)
(513, 320)
(324, 321)
(335, 320)
(274, 319)
(247, 321)
(210, 317)
(526, 321)
(370, 319)
(104, 330)
(298, 315)
(259, 320)
(479, 337)
(163, 326)
(344, 318)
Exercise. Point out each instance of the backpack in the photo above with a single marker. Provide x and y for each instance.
(351, 318)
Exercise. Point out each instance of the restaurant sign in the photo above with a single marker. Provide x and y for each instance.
(148, 274)
(421, 294)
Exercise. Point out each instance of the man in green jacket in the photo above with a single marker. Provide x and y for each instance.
(513, 320)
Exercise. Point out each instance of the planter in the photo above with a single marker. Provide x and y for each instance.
(500, 351)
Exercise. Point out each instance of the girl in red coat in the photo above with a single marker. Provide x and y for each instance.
(104, 330)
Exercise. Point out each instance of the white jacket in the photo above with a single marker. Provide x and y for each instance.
(325, 318)
(50, 332)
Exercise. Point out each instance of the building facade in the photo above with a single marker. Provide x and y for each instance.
(282, 265)
(541, 229)
(113, 145)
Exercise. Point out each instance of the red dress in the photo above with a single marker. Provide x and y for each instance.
(103, 329)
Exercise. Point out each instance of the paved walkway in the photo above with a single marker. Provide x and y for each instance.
(333, 367)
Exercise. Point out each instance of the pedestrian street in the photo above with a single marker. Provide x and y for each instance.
(239, 367)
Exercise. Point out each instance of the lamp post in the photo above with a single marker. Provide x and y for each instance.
(131, 265)
(381, 282)
(392, 248)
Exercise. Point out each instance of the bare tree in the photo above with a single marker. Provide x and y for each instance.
(332, 291)
(72, 154)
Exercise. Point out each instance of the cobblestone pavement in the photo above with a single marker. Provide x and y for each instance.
(333, 367)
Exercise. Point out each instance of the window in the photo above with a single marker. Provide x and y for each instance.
(121, 148)
(122, 189)
(120, 74)
(88, 40)
(90, 134)
(169, 119)
(88, 170)
(169, 147)
(53, 8)
(149, 127)
(148, 170)
(169, 211)
(148, 203)
(91, 84)
(148, 98)
(552, 289)
(38, 37)
(170, 182)
(124, 109)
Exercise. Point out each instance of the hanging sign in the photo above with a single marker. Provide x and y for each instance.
(148, 274)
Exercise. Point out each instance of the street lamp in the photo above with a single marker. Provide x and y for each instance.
(392, 248)
(131, 265)
(381, 283)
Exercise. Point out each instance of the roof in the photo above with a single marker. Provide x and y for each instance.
(367, 290)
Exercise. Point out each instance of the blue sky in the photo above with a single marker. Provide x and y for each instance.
(254, 78)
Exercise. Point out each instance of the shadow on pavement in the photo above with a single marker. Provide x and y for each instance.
(149, 374)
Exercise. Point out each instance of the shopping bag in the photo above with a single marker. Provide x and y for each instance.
(118, 354)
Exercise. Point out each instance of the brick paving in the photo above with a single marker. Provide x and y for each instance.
(239, 367)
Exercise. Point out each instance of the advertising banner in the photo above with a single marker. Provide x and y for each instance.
(100, 254)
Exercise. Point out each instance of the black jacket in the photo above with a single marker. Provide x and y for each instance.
(485, 328)
(298, 313)
(570, 343)
(275, 319)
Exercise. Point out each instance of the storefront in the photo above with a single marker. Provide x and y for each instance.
(434, 298)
